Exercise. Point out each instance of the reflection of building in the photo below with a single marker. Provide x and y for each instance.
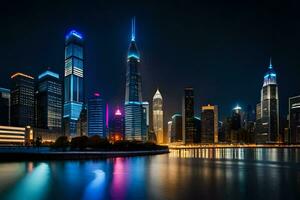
(176, 132)
(12, 135)
(188, 129)
(96, 116)
(268, 108)
(22, 100)
(49, 101)
(294, 120)
(158, 117)
(133, 94)
(117, 126)
(209, 124)
(4, 106)
(73, 82)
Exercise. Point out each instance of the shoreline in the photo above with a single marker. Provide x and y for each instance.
(73, 155)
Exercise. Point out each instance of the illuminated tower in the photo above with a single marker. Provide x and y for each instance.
(268, 130)
(133, 95)
(96, 116)
(209, 124)
(188, 128)
(158, 117)
(73, 82)
(117, 126)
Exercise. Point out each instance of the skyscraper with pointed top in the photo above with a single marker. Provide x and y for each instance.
(158, 117)
(133, 94)
(268, 109)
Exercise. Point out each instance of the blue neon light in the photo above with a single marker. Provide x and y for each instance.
(74, 33)
(133, 56)
(133, 29)
(48, 73)
(133, 102)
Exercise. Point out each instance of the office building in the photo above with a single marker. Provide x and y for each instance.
(176, 132)
(96, 116)
(4, 107)
(188, 128)
(12, 135)
(117, 126)
(294, 120)
(209, 124)
(169, 132)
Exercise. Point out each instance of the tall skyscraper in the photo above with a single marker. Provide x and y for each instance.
(133, 94)
(117, 126)
(158, 117)
(176, 132)
(268, 130)
(73, 82)
(96, 116)
(294, 120)
(4, 106)
(209, 124)
(145, 119)
(49, 101)
(169, 132)
(22, 100)
(188, 128)
(197, 125)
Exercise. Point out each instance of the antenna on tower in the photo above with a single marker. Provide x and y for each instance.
(270, 66)
(133, 29)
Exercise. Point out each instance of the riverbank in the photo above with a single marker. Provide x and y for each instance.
(32, 154)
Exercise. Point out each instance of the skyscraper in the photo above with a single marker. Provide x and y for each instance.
(96, 116)
(133, 94)
(49, 101)
(169, 132)
(209, 124)
(117, 126)
(145, 119)
(22, 100)
(176, 132)
(158, 117)
(294, 120)
(73, 81)
(4, 106)
(188, 128)
(268, 130)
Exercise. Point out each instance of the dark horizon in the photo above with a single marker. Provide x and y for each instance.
(220, 49)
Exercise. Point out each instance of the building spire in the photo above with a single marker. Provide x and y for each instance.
(270, 66)
(133, 29)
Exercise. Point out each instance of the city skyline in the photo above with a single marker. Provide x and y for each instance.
(210, 88)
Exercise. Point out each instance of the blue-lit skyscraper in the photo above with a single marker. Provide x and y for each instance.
(73, 81)
(133, 95)
(96, 116)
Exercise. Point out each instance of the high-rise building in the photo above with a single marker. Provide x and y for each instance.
(117, 126)
(4, 107)
(197, 135)
(294, 120)
(82, 125)
(49, 101)
(268, 130)
(22, 100)
(209, 124)
(96, 116)
(188, 128)
(133, 94)
(73, 82)
(169, 132)
(157, 115)
(176, 132)
(145, 119)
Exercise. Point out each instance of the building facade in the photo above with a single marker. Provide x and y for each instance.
(268, 126)
(73, 82)
(22, 100)
(117, 126)
(157, 114)
(294, 120)
(188, 128)
(96, 116)
(4, 107)
(134, 110)
(176, 131)
(48, 101)
(209, 124)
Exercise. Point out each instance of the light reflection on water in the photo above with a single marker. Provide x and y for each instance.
(186, 174)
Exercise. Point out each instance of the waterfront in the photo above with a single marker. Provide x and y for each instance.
(238, 173)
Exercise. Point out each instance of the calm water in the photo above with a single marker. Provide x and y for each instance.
(199, 174)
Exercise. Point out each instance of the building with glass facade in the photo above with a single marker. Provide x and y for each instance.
(73, 82)
(209, 124)
(176, 131)
(4, 106)
(49, 101)
(157, 114)
(117, 126)
(188, 128)
(22, 100)
(134, 110)
(268, 121)
(96, 116)
(294, 120)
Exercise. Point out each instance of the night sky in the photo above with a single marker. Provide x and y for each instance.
(221, 49)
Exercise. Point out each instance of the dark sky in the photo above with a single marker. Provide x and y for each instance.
(221, 49)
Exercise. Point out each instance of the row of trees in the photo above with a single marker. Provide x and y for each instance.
(97, 143)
